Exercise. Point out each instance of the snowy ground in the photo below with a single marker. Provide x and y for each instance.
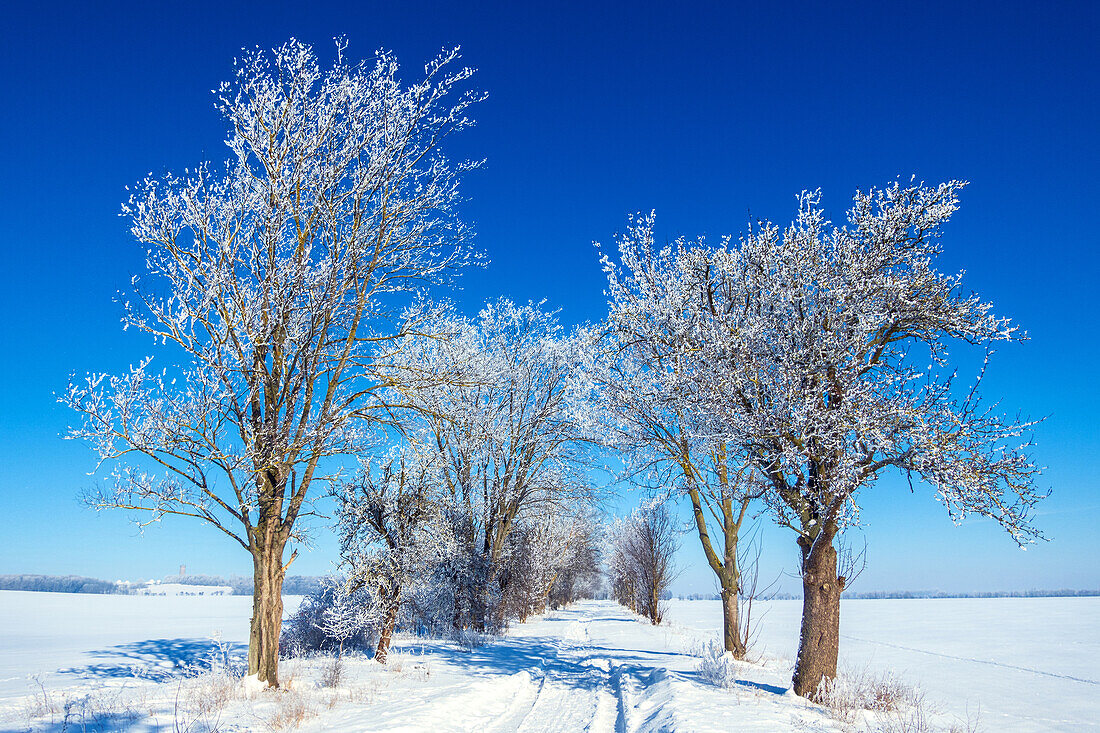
(67, 637)
(590, 667)
(1026, 664)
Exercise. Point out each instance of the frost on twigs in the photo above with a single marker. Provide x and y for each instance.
(717, 666)
(819, 354)
(487, 492)
(816, 357)
(275, 283)
(335, 618)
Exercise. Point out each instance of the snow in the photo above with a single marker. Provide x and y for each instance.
(592, 666)
(182, 589)
(1023, 664)
(88, 634)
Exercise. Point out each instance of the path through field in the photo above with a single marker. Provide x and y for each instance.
(591, 667)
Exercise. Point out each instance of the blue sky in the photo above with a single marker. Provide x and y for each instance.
(709, 113)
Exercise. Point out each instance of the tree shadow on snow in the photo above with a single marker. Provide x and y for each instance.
(538, 656)
(751, 684)
(157, 659)
(95, 723)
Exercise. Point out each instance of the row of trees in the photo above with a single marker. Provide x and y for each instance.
(640, 566)
(792, 368)
(290, 290)
(482, 503)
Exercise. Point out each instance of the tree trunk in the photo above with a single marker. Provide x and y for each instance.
(479, 607)
(725, 567)
(267, 613)
(389, 621)
(731, 624)
(819, 644)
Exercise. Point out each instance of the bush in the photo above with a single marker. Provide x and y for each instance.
(716, 665)
(329, 620)
(848, 695)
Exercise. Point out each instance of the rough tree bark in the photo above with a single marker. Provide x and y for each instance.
(819, 643)
(267, 609)
(731, 624)
(389, 622)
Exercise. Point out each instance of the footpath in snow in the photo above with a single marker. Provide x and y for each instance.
(591, 667)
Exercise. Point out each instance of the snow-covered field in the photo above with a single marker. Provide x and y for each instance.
(589, 667)
(65, 637)
(1027, 664)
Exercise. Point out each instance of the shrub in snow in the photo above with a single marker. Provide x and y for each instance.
(79, 710)
(329, 620)
(716, 665)
(292, 709)
(332, 672)
(847, 695)
(469, 639)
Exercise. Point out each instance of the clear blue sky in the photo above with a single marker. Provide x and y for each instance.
(710, 113)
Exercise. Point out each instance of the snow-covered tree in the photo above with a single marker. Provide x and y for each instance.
(274, 283)
(651, 411)
(641, 563)
(350, 614)
(391, 531)
(823, 352)
(577, 572)
(552, 559)
(504, 425)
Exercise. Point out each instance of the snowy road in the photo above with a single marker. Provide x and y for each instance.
(592, 667)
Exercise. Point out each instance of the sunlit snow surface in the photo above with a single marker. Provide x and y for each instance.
(1024, 663)
(1027, 664)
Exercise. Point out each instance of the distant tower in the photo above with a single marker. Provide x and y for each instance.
(182, 569)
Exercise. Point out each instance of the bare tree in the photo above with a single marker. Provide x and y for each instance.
(644, 546)
(276, 283)
(822, 352)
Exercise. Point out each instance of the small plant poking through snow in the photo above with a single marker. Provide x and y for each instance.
(847, 695)
(413, 666)
(81, 711)
(292, 709)
(883, 705)
(332, 672)
(468, 639)
(207, 689)
(716, 665)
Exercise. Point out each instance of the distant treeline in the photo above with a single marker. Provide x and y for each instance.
(919, 594)
(1062, 593)
(294, 585)
(58, 584)
(242, 586)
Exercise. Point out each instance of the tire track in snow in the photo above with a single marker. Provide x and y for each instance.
(521, 705)
(572, 691)
(977, 661)
(625, 696)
